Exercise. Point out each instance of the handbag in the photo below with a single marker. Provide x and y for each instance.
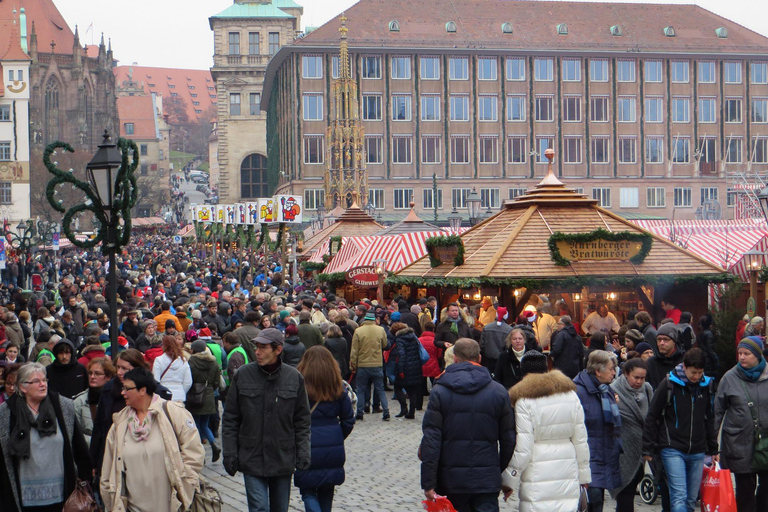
(583, 499)
(423, 354)
(81, 499)
(196, 394)
(350, 393)
(760, 452)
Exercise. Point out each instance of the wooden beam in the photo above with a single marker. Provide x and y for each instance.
(521, 302)
(522, 221)
(649, 307)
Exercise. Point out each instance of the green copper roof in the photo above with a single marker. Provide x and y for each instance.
(256, 10)
(289, 4)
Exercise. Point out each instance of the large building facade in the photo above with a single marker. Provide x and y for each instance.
(649, 108)
(246, 36)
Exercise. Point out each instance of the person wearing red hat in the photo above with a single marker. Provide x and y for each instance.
(493, 339)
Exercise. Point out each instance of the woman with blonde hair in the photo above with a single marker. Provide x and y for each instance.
(333, 418)
(172, 369)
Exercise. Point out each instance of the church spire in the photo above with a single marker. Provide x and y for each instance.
(344, 70)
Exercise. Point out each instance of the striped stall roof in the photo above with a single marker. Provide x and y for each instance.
(351, 248)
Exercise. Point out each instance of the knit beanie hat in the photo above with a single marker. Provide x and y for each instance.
(533, 361)
(395, 316)
(197, 315)
(642, 347)
(284, 313)
(635, 336)
(754, 344)
(669, 330)
(198, 346)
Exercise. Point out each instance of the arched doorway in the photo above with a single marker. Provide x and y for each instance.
(253, 177)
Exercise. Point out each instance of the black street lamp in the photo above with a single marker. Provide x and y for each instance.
(22, 242)
(473, 207)
(111, 192)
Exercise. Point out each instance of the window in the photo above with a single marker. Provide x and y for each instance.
(5, 192)
(733, 150)
(403, 198)
(759, 72)
(376, 198)
(654, 150)
(732, 72)
(5, 113)
(516, 108)
(656, 197)
(234, 104)
(314, 198)
(373, 149)
(401, 149)
(516, 150)
(708, 194)
(143, 149)
(430, 68)
(544, 110)
(681, 110)
(598, 70)
(274, 43)
(707, 110)
(5, 151)
(486, 107)
(371, 66)
(394, 26)
(542, 70)
(572, 150)
(459, 197)
(487, 68)
(572, 108)
(543, 144)
(627, 150)
(401, 68)
(730, 197)
(429, 198)
(760, 150)
(371, 107)
(401, 107)
(706, 72)
(706, 155)
(10, 75)
(653, 109)
(625, 70)
(489, 149)
(253, 176)
(253, 45)
(313, 107)
(20, 75)
(458, 68)
(680, 70)
(515, 69)
(517, 192)
(335, 66)
(128, 128)
(313, 149)
(629, 197)
(600, 150)
(682, 197)
(430, 149)
(312, 66)
(603, 196)
(627, 110)
(653, 71)
(430, 107)
(681, 150)
(234, 43)
(255, 104)
(144, 169)
(732, 110)
(759, 110)
(598, 111)
(489, 198)
(459, 107)
(459, 149)
(571, 70)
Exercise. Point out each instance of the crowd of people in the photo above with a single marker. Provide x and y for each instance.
(273, 376)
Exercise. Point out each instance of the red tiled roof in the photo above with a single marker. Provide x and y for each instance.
(183, 82)
(140, 111)
(479, 26)
(12, 49)
(92, 50)
(49, 25)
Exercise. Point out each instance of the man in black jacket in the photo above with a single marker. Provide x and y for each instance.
(213, 317)
(408, 318)
(567, 348)
(452, 329)
(670, 355)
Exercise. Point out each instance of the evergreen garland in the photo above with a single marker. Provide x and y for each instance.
(311, 265)
(336, 277)
(599, 234)
(444, 241)
(334, 240)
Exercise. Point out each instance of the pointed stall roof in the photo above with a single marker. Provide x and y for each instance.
(410, 224)
(353, 222)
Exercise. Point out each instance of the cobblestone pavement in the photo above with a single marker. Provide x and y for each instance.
(382, 472)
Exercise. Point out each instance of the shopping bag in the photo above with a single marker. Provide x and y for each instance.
(717, 490)
(441, 504)
(81, 499)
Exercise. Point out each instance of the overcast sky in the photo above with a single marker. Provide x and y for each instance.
(175, 33)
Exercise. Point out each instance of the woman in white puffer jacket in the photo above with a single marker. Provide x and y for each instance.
(551, 458)
(172, 369)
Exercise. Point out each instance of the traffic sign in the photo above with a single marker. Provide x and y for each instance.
(177, 239)
(56, 241)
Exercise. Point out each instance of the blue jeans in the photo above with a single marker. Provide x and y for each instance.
(375, 375)
(684, 472)
(482, 502)
(318, 500)
(202, 426)
(268, 494)
(596, 496)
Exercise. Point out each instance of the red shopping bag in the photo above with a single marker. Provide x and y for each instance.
(717, 490)
(441, 504)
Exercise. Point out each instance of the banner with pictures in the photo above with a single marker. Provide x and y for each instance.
(218, 211)
(241, 214)
(252, 213)
(229, 213)
(289, 208)
(267, 212)
(204, 214)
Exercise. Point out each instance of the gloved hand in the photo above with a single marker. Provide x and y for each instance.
(303, 464)
(230, 465)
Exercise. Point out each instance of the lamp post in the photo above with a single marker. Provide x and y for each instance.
(319, 220)
(110, 192)
(473, 207)
(454, 221)
(21, 241)
(763, 198)
(754, 260)
(370, 209)
(381, 271)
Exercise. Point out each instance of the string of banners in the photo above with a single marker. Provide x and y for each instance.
(288, 209)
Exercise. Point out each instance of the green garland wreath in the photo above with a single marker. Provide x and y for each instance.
(599, 234)
(334, 240)
(444, 241)
(336, 277)
(309, 266)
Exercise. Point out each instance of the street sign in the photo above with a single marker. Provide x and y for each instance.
(177, 239)
(55, 241)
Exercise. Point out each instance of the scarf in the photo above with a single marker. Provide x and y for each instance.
(635, 399)
(610, 408)
(140, 430)
(454, 325)
(45, 424)
(752, 374)
(680, 374)
(518, 355)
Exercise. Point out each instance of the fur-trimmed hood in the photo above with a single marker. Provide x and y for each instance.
(403, 332)
(538, 385)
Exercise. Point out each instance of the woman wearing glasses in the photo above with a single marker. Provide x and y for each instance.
(100, 371)
(43, 449)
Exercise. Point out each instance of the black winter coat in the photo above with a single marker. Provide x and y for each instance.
(293, 349)
(444, 334)
(706, 342)
(340, 351)
(567, 351)
(407, 360)
(67, 380)
(205, 369)
(660, 366)
(411, 321)
(508, 371)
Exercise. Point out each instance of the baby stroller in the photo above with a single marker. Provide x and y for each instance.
(649, 485)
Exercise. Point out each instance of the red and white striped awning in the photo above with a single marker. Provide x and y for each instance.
(351, 247)
(186, 230)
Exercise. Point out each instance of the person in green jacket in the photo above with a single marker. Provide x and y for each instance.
(236, 355)
(310, 335)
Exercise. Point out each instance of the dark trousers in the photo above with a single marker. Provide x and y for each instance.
(484, 502)
(625, 500)
(596, 497)
(746, 498)
(414, 397)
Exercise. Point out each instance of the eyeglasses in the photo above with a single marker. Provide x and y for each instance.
(129, 388)
(37, 382)
(97, 374)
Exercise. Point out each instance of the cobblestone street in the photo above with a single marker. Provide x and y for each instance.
(382, 472)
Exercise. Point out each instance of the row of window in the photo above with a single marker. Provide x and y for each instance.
(543, 69)
(18, 75)
(544, 108)
(254, 103)
(629, 197)
(254, 43)
(518, 150)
